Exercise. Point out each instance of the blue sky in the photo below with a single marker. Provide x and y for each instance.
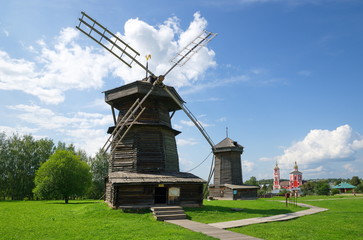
(285, 77)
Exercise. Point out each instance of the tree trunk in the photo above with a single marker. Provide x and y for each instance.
(65, 199)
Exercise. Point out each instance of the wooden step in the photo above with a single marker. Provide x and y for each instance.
(171, 217)
(168, 213)
(157, 213)
(166, 208)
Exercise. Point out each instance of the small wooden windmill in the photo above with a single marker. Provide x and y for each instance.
(144, 165)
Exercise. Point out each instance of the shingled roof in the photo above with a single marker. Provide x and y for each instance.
(228, 144)
(123, 177)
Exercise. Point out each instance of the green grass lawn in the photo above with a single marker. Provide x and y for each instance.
(222, 210)
(94, 220)
(82, 220)
(343, 220)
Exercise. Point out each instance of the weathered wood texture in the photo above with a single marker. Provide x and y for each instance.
(144, 194)
(138, 89)
(241, 192)
(146, 149)
(228, 168)
(150, 144)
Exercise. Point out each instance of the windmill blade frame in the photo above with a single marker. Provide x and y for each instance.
(187, 52)
(109, 41)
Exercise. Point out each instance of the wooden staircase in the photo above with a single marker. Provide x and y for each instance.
(168, 213)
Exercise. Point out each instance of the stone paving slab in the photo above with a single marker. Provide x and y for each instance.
(211, 230)
(275, 218)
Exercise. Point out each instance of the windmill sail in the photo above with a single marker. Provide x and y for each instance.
(192, 48)
(109, 41)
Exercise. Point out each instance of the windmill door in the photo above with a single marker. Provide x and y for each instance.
(160, 195)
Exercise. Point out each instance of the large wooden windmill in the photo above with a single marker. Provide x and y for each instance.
(144, 164)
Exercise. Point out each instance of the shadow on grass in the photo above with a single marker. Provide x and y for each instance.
(214, 209)
(136, 210)
(72, 203)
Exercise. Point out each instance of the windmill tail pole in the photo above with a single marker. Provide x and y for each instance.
(192, 117)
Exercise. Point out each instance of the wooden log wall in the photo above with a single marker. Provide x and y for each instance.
(135, 195)
(247, 193)
(150, 151)
(124, 157)
(170, 152)
(150, 144)
(155, 112)
(191, 193)
(228, 168)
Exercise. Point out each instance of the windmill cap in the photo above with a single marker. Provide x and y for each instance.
(138, 89)
(228, 144)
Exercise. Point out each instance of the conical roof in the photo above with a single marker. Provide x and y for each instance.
(228, 144)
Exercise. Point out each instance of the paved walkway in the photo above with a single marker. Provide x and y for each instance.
(275, 218)
(210, 230)
(217, 229)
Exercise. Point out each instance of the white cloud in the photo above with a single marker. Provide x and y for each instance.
(247, 166)
(222, 119)
(56, 69)
(314, 170)
(265, 159)
(185, 164)
(177, 126)
(210, 99)
(6, 32)
(350, 168)
(99, 103)
(189, 123)
(163, 42)
(323, 145)
(66, 65)
(17, 130)
(85, 130)
(186, 142)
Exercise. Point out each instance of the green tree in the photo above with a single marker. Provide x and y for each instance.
(63, 175)
(3, 165)
(360, 188)
(335, 191)
(308, 188)
(99, 169)
(322, 188)
(20, 157)
(252, 181)
(355, 181)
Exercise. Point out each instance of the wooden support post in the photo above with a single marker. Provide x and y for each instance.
(113, 115)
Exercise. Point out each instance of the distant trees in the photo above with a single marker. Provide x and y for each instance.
(355, 181)
(63, 175)
(21, 156)
(252, 181)
(99, 169)
(323, 187)
(320, 187)
(308, 188)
